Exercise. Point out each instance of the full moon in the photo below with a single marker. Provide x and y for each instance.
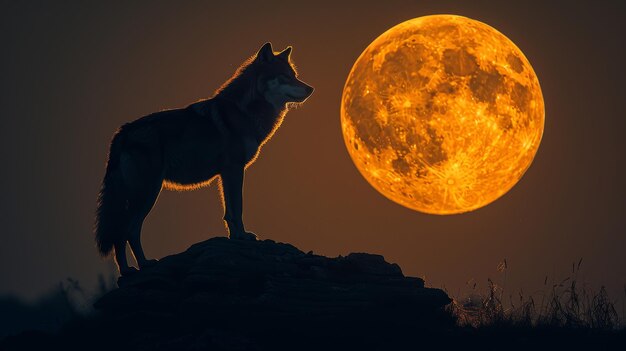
(442, 114)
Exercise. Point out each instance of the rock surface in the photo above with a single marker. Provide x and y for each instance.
(226, 294)
(231, 295)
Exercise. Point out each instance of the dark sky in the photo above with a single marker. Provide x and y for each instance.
(72, 72)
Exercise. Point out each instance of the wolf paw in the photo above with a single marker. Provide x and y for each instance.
(248, 236)
(148, 263)
(128, 271)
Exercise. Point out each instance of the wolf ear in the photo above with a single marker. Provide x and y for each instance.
(285, 53)
(266, 53)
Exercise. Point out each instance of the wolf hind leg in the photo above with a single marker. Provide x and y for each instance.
(140, 209)
(120, 259)
(135, 245)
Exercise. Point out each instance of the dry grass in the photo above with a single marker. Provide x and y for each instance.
(566, 304)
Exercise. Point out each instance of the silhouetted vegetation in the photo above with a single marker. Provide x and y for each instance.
(66, 302)
(567, 303)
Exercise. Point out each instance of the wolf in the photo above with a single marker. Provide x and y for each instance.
(187, 148)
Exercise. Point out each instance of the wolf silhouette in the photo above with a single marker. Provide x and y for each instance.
(185, 149)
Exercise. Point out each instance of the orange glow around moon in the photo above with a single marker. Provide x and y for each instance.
(442, 114)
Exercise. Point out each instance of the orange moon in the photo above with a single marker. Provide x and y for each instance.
(442, 114)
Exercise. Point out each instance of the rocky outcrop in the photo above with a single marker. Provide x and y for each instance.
(232, 295)
(226, 294)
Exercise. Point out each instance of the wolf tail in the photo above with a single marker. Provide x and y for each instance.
(111, 212)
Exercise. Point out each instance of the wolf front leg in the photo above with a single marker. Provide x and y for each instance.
(232, 191)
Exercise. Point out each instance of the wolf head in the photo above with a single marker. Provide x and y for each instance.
(277, 79)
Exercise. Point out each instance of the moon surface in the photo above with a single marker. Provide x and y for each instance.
(442, 114)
